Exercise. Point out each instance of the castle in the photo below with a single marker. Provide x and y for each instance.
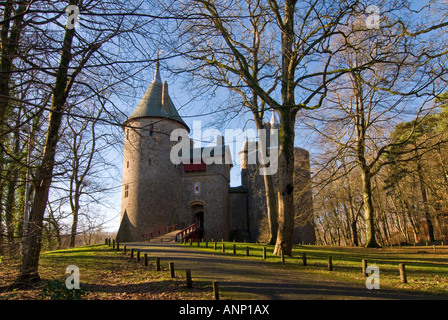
(158, 193)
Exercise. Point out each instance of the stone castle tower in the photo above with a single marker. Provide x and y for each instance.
(257, 224)
(158, 193)
(148, 174)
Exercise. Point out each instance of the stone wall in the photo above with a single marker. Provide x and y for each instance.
(256, 199)
(304, 231)
(212, 200)
(239, 214)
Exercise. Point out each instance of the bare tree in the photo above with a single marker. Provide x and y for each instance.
(364, 103)
(219, 42)
(83, 151)
(84, 62)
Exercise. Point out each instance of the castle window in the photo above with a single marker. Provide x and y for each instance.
(197, 188)
(151, 130)
(149, 161)
(127, 164)
(126, 190)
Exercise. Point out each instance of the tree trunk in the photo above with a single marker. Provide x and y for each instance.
(361, 125)
(75, 214)
(285, 174)
(354, 234)
(10, 203)
(9, 44)
(354, 220)
(427, 215)
(285, 185)
(51, 220)
(2, 251)
(33, 235)
(74, 193)
(271, 206)
(10, 36)
(368, 209)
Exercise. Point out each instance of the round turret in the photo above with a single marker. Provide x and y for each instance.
(149, 176)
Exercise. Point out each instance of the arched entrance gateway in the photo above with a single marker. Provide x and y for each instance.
(197, 216)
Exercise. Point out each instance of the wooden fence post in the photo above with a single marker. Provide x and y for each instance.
(172, 269)
(138, 256)
(234, 249)
(118, 246)
(157, 264)
(216, 290)
(402, 273)
(247, 251)
(264, 253)
(146, 259)
(282, 256)
(214, 245)
(304, 259)
(132, 253)
(124, 249)
(330, 263)
(364, 267)
(188, 276)
(223, 247)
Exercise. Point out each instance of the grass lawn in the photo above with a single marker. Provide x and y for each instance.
(105, 274)
(426, 270)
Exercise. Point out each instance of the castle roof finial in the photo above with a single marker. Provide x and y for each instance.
(157, 77)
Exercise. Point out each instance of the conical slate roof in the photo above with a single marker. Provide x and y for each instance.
(157, 103)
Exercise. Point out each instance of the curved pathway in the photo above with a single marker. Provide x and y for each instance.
(251, 279)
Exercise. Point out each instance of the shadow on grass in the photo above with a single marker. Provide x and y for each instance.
(168, 287)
